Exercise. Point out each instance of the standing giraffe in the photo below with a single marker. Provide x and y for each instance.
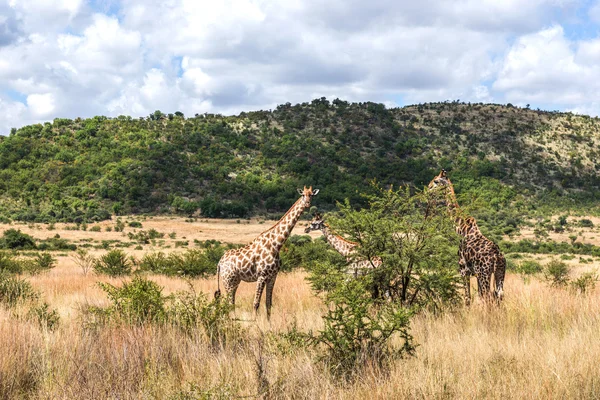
(259, 261)
(342, 246)
(477, 255)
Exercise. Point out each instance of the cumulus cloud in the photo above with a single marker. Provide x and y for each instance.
(547, 67)
(68, 58)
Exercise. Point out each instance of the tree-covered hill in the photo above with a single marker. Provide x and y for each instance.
(506, 159)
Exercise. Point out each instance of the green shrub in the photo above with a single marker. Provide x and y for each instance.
(17, 240)
(356, 333)
(96, 228)
(14, 290)
(192, 263)
(8, 263)
(135, 224)
(557, 273)
(138, 301)
(529, 267)
(586, 282)
(46, 317)
(113, 263)
(191, 311)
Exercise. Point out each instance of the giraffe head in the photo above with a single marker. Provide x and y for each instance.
(441, 180)
(307, 195)
(316, 224)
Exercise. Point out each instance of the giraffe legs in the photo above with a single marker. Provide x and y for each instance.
(466, 275)
(467, 283)
(483, 286)
(260, 286)
(499, 271)
(269, 295)
(231, 283)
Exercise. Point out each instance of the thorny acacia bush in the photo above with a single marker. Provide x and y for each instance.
(415, 239)
(357, 333)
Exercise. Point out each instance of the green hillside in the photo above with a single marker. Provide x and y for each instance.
(505, 161)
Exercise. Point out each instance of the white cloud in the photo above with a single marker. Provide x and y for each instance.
(68, 59)
(41, 105)
(546, 67)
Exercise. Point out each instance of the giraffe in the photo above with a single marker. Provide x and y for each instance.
(477, 255)
(341, 245)
(259, 261)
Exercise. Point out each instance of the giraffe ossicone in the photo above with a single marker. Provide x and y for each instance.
(259, 260)
(477, 255)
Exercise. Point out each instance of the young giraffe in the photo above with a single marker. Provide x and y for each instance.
(341, 245)
(477, 255)
(259, 261)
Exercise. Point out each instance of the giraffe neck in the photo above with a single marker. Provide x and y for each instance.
(340, 244)
(278, 234)
(461, 220)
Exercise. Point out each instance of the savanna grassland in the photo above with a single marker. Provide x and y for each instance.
(541, 342)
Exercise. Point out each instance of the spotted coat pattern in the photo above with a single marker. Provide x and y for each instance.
(477, 255)
(343, 246)
(259, 261)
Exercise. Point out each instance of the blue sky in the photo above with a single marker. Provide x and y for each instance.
(70, 58)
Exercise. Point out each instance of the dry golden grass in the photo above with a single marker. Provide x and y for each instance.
(541, 343)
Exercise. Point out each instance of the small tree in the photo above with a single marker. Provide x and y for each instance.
(113, 263)
(84, 260)
(416, 241)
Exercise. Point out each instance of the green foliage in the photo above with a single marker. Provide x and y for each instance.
(585, 282)
(14, 290)
(529, 267)
(300, 251)
(16, 240)
(416, 241)
(138, 301)
(357, 333)
(84, 260)
(135, 224)
(141, 301)
(190, 310)
(8, 263)
(114, 263)
(557, 273)
(83, 170)
(145, 237)
(192, 263)
(46, 317)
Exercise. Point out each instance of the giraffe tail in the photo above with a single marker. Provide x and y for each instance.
(218, 292)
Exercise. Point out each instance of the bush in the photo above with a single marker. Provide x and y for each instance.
(96, 228)
(192, 263)
(138, 301)
(8, 264)
(357, 334)
(46, 317)
(114, 263)
(557, 273)
(529, 267)
(14, 290)
(16, 240)
(135, 224)
(84, 261)
(586, 282)
(416, 241)
(191, 311)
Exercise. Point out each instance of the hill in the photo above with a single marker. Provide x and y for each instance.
(507, 161)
